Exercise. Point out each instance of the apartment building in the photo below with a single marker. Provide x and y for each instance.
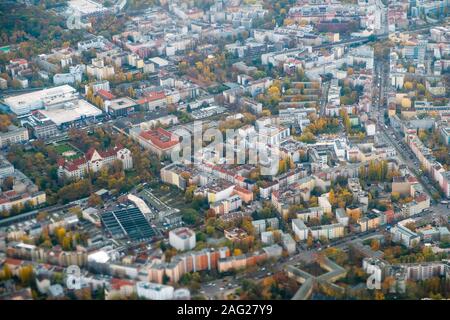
(182, 239)
(13, 135)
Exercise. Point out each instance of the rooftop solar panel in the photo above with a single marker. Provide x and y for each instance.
(129, 222)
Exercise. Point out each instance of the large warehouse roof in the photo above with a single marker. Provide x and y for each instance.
(129, 222)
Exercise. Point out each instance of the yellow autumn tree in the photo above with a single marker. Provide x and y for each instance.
(379, 295)
(60, 234)
(26, 275)
(274, 92)
(375, 245)
(67, 243)
(408, 85)
(6, 273)
(309, 240)
(237, 252)
(332, 197)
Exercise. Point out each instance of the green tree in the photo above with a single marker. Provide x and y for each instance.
(190, 216)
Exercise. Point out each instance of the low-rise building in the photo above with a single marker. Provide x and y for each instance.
(236, 234)
(120, 106)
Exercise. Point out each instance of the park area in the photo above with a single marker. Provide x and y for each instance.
(67, 151)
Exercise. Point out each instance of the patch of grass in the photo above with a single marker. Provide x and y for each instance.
(67, 151)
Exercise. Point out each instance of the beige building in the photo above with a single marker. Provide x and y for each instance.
(98, 69)
(13, 135)
(329, 231)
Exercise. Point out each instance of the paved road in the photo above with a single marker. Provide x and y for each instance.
(383, 36)
(387, 133)
(27, 216)
(324, 97)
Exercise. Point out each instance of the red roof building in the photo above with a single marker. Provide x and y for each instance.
(105, 95)
(94, 160)
(153, 100)
(159, 141)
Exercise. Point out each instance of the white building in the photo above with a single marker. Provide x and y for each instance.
(96, 86)
(154, 291)
(342, 217)
(24, 103)
(182, 239)
(300, 229)
(273, 135)
(370, 128)
(288, 243)
(405, 236)
(375, 267)
(75, 75)
(325, 204)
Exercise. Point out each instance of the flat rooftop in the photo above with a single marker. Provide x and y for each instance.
(31, 97)
(72, 112)
(122, 103)
(86, 7)
(183, 233)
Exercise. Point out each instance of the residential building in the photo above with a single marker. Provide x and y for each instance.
(23, 193)
(329, 231)
(405, 236)
(182, 239)
(154, 291)
(300, 229)
(13, 135)
(98, 69)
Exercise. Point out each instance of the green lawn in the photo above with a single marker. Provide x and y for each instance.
(67, 151)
